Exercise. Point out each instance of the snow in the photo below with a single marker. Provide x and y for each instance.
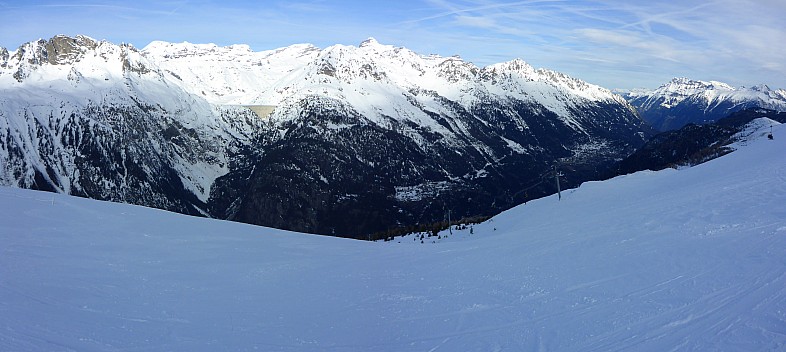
(689, 259)
(514, 146)
(232, 75)
(96, 79)
(376, 80)
(756, 129)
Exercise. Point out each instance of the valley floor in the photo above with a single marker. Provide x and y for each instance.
(691, 259)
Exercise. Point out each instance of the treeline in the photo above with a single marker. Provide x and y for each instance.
(431, 229)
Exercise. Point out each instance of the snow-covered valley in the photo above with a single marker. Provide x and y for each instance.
(690, 259)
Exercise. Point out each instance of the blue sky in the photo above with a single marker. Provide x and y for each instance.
(613, 43)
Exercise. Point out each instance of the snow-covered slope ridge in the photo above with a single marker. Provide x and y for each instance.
(689, 259)
(97, 119)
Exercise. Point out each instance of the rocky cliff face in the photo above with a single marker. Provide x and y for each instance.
(362, 139)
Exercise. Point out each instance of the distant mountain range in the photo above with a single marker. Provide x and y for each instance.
(345, 140)
(683, 101)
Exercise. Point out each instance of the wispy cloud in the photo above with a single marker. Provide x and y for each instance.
(680, 38)
(660, 48)
(616, 43)
(307, 6)
(164, 10)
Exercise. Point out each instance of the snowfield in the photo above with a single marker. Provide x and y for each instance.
(690, 259)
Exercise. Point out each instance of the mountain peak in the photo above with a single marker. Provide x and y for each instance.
(687, 85)
(515, 65)
(58, 50)
(518, 64)
(761, 88)
(681, 80)
(372, 44)
(369, 42)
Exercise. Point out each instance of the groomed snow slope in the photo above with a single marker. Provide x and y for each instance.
(693, 259)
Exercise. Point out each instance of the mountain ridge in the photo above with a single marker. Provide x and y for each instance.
(361, 139)
(682, 101)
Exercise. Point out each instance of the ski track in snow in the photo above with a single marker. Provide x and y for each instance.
(655, 261)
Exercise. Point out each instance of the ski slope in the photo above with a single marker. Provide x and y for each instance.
(690, 259)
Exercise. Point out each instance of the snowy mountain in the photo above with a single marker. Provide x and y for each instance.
(683, 101)
(689, 259)
(355, 139)
(98, 120)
